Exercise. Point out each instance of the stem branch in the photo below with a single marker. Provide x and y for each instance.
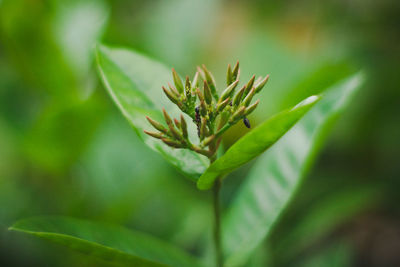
(222, 130)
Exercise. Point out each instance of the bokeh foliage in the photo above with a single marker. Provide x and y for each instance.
(65, 150)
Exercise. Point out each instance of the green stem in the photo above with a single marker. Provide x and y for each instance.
(217, 219)
(217, 223)
(222, 130)
(197, 149)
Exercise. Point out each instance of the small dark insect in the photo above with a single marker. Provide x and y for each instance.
(230, 103)
(197, 110)
(246, 122)
(197, 120)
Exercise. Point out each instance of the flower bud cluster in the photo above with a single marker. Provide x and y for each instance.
(213, 113)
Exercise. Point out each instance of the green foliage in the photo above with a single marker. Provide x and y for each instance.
(278, 173)
(54, 57)
(134, 83)
(111, 243)
(293, 155)
(50, 145)
(66, 149)
(338, 254)
(323, 216)
(255, 142)
(214, 114)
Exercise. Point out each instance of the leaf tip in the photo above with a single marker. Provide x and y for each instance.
(202, 186)
(309, 101)
(312, 99)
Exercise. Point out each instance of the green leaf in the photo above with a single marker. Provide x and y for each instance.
(134, 83)
(77, 26)
(324, 215)
(255, 142)
(277, 174)
(340, 253)
(108, 242)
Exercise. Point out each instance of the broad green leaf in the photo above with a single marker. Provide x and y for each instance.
(324, 215)
(77, 26)
(277, 174)
(316, 80)
(134, 83)
(255, 142)
(108, 242)
(339, 253)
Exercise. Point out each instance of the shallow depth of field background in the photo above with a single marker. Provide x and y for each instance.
(66, 150)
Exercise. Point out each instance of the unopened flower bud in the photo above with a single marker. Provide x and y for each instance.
(195, 81)
(238, 96)
(259, 86)
(172, 143)
(228, 91)
(157, 125)
(177, 81)
(249, 85)
(251, 108)
(207, 93)
(155, 135)
(184, 127)
(211, 82)
(238, 114)
(236, 71)
(229, 75)
(167, 117)
(171, 96)
(223, 104)
(249, 97)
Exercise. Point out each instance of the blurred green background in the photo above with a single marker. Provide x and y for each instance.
(66, 150)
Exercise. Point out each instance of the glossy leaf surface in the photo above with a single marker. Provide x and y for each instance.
(277, 174)
(255, 142)
(111, 243)
(134, 83)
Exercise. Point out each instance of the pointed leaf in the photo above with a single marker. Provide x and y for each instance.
(255, 142)
(134, 82)
(108, 242)
(277, 174)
